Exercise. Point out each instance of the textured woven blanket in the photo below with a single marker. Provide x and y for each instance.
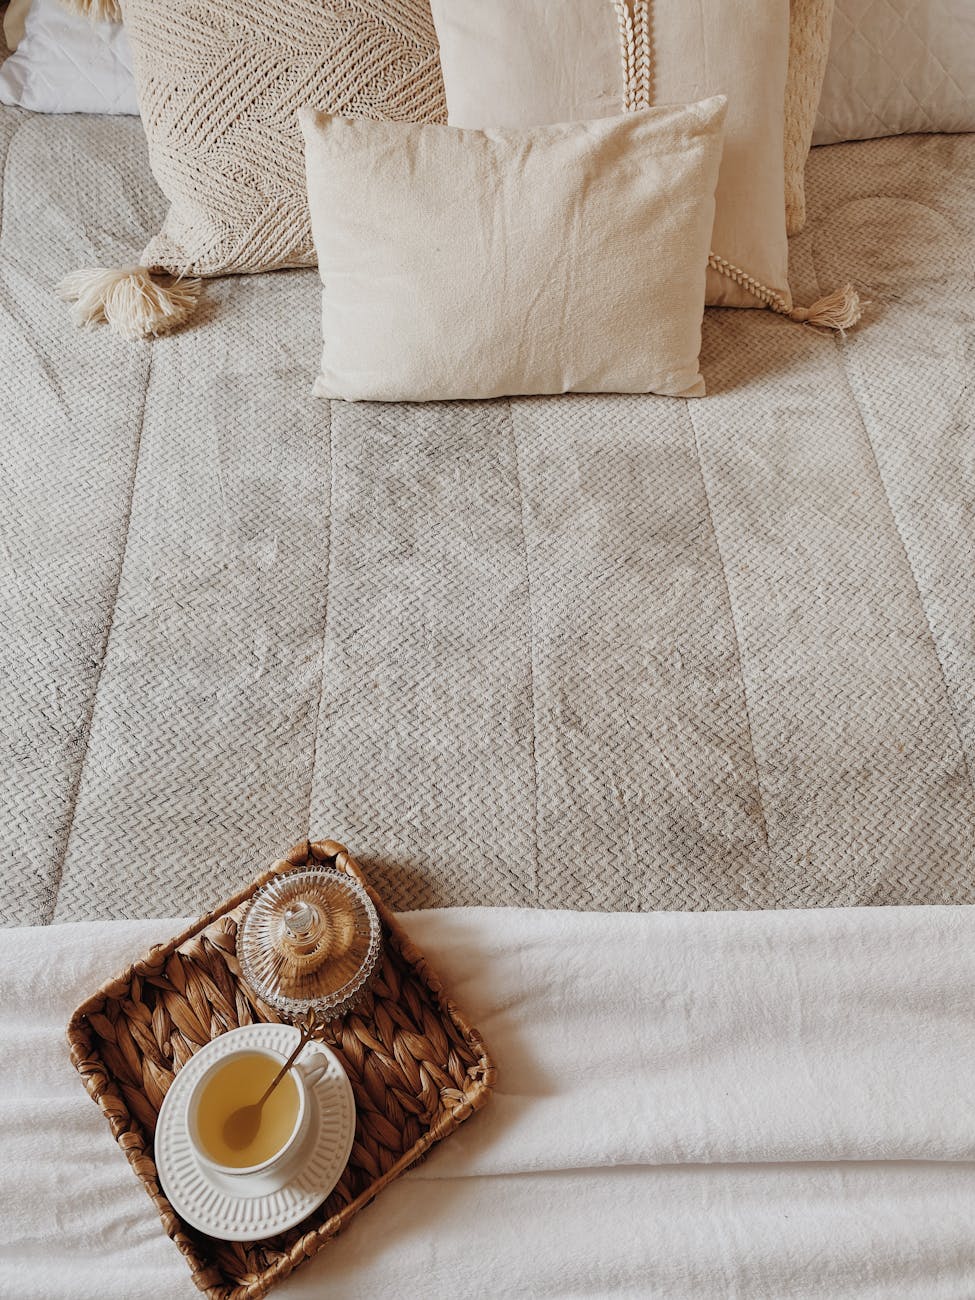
(586, 652)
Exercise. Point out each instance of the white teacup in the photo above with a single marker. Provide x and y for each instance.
(305, 1072)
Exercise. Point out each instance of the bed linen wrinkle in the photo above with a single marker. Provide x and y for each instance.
(309, 828)
(532, 650)
(737, 645)
(103, 652)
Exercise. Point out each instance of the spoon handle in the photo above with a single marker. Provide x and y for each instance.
(305, 1037)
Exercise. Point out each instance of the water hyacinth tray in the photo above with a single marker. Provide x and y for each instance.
(418, 1069)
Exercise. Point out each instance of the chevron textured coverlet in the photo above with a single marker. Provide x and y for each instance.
(586, 652)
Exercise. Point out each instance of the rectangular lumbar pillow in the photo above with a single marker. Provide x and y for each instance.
(523, 62)
(472, 264)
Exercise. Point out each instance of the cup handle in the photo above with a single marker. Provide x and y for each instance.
(313, 1067)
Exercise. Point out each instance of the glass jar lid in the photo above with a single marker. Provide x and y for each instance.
(309, 941)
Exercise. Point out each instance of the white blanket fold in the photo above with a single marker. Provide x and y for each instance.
(690, 1105)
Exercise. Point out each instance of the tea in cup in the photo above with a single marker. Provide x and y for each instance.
(238, 1079)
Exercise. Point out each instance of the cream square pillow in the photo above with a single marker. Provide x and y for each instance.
(522, 62)
(898, 67)
(219, 86)
(473, 264)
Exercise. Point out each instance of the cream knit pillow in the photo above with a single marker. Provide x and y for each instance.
(522, 62)
(219, 86)
(809, 37)
(564, 258)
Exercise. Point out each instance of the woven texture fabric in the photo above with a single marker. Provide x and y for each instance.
(219, 86)
(810, 23)
(592, 652)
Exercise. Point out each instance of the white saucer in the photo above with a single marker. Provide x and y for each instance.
(251, 1206)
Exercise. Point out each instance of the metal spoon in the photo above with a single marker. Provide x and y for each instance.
(240, 1127)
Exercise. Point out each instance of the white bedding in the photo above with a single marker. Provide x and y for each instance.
(748, 1104)
(66, 63)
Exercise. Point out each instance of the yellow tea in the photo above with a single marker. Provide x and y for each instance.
(241, 1082)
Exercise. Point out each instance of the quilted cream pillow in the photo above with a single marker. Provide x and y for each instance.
(521, 62)
(219, 85)
(552, 259)
(898, 66)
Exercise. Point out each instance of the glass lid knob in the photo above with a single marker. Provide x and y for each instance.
(309, 940)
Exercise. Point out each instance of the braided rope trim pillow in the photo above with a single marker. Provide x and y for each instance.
(839, 310)
(219, 86)
(810, 24)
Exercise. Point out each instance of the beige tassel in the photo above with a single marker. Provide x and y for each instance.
(839, 310)
(105, 11)
(133, 302)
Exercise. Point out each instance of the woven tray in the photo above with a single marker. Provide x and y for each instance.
(417, 1068)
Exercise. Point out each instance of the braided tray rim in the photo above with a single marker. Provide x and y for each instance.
(227, 1271)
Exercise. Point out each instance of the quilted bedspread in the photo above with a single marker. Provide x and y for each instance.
(587, 652)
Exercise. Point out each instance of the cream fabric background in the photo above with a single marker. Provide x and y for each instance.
(897, 66)
(465, 264)
(521, 62)
(14, 17)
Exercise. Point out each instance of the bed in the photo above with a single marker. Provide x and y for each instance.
(608, 653)
(677, 685)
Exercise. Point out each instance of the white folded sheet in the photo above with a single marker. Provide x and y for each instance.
(748, 1104)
